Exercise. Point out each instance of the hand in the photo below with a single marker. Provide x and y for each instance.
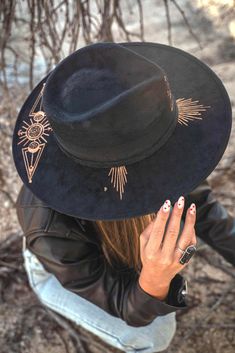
(158, 247)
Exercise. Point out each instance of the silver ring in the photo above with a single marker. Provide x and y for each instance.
(182, 251)
(187, 254)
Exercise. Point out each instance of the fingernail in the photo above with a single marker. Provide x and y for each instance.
(180, 202)
(166, 206)
(192, 209)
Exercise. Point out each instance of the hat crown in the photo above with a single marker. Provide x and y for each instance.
(109, 105)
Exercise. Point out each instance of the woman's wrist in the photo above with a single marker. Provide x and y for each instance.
(158, 291)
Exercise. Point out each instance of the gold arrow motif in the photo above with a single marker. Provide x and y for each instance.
(33, 133)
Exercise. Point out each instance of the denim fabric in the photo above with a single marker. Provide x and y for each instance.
(154, 337)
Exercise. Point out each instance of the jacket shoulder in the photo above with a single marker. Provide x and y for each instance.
(34, 215)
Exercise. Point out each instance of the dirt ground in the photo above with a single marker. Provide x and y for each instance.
(207, 326)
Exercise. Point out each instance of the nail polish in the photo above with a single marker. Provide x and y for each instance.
(192, 209)
(166, 206)
(180, 202)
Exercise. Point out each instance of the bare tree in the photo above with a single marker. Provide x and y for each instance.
(52, 27)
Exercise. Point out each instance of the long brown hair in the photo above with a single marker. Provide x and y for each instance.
(120, 240)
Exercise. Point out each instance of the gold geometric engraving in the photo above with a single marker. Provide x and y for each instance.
(118, 178)
(189, 110)
(33, 133)
(31, 166)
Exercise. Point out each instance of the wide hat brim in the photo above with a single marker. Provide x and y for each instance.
(187, 158)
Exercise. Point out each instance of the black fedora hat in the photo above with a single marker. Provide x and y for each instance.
(116, 128)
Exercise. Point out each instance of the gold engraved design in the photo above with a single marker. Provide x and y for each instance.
(33, 133)
(118, 178)
(189, 110)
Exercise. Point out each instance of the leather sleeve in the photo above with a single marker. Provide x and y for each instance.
(214, 225)
(73, 253)
(81, 268)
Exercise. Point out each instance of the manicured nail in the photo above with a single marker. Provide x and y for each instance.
(166, 206)
(180, 202)
(192, 209)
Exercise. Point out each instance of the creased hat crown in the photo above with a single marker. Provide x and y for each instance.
(109, 105)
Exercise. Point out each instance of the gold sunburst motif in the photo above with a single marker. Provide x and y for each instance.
(189, 110)
(118, 178)
(33, 134)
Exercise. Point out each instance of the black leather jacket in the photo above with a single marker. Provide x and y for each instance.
(69, 248)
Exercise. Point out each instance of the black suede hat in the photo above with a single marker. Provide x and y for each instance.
(115, 129)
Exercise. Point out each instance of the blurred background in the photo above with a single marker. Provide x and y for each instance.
(34, 36)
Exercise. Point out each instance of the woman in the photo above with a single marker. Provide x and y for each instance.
(103, 252)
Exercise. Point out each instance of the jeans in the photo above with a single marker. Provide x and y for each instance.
(154, 337)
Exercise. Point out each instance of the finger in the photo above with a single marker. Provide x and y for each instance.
(144, 236)
(158, 228)
(194, 239)
(188, 235)
(173, 227)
